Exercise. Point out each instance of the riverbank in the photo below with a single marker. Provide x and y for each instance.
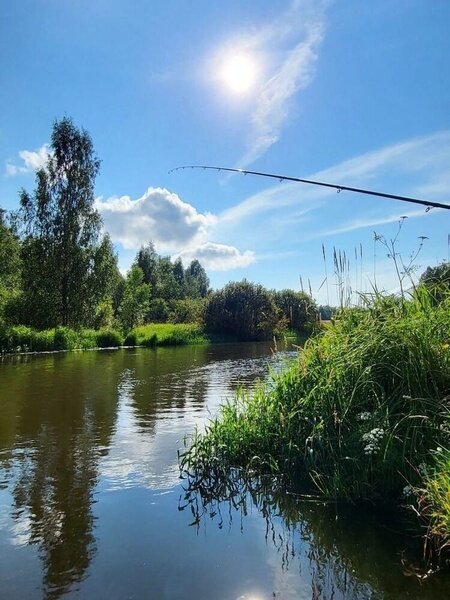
(19, 338)
(22, 339)
(364, 415)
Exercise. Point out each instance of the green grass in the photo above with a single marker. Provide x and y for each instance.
(364, 406)
(20, 338)
(434, 498)
(166, 334)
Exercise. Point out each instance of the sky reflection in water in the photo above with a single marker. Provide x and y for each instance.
(91, 505)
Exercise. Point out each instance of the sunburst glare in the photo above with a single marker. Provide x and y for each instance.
(239, 72)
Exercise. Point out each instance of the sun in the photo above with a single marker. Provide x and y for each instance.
(239, 73)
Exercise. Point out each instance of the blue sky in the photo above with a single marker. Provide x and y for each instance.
(352, 92)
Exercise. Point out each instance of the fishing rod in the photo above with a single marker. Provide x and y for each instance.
(429, 205)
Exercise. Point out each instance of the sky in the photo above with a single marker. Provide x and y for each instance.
(348, 92)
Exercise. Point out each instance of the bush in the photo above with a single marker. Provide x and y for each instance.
(17, 338)
(166, 334)
(131, 339)
(65, 339)
(244, 310)
(186, 311)
(108, 338)
(43, 341)
(298, 309)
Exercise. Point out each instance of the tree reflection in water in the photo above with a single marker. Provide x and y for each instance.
(63, 422)
(350, 553)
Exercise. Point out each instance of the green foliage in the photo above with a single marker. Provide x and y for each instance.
(19, 338)
(189, 310)
(434, 497)
(65, 339)
(197, 282)
(170, 281)
(108, 338)
(166, 334)
(166, 286)
(9, 266)
(437, 280)
(135, 302)
(147, 259)
(65, 270)
(363, 408)
(104, 282)
(244, 310)
(299, 310)
(158, 311)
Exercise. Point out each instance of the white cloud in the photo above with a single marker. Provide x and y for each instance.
(303, 22)
(158, 215)
(220, 257)
(32, 160)
(172, 225)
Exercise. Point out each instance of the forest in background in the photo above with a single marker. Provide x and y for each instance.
(59, 271)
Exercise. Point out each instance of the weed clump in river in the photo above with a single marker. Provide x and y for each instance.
(367, 404)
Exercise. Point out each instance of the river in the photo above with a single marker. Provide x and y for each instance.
(92, 506)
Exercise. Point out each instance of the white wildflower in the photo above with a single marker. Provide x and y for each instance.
(364, 416)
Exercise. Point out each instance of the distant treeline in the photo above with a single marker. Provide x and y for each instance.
(57, 269)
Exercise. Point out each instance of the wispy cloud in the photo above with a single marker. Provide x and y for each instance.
(32, 160)
(302, 26)
(364, 222)
(416, 167)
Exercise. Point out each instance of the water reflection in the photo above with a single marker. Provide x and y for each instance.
(76, 426)
(55, 428)
(340, 553)
(89, 482)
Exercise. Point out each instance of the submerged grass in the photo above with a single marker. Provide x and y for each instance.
(166, 334)
(366, 405)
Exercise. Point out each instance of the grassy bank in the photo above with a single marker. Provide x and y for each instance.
(20, 338)
(166, 334)
(357, 418)
(24, 339)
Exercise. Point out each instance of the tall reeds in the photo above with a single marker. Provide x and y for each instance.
(364, 406)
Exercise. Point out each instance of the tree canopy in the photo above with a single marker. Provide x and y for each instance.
(63, 258)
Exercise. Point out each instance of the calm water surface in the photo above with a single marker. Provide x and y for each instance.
(91, 504)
